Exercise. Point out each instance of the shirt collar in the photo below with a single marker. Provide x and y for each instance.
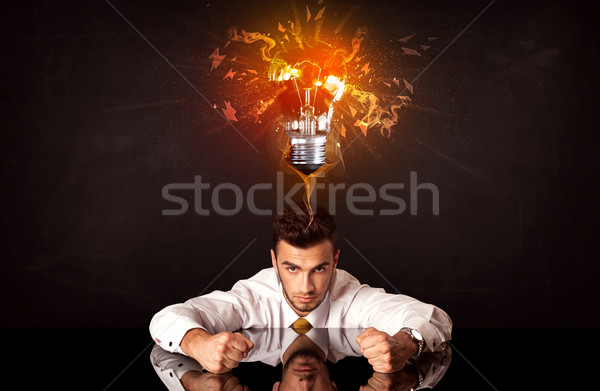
(318, 318)
(320, 337)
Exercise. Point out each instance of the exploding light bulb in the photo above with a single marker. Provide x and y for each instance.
(310, 82)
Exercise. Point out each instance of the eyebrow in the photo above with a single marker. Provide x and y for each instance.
(287, 263)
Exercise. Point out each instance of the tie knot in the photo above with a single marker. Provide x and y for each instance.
(301, 326)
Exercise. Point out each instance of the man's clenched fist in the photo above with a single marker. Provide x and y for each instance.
(386, 353)
(218, 353)
(199, 381)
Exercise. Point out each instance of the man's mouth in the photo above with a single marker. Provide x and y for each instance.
(305, 299)
(305, 369)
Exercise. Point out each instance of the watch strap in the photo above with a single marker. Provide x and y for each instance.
(420, 342)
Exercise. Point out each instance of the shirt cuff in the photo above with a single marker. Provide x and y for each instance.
(170, 338)
(171, 367)
(434, 341)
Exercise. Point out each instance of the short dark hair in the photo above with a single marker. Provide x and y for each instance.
(302, 227)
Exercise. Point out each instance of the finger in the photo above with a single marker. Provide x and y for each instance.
(377, 363)
(242, 343)
(373, 340)
(372, 352)
(365, 334)
(375, 383)
(230, 363)
(379, 345)
(222, 357)
(234, 354)
(231, 384)
(224, 361)
(380, 362)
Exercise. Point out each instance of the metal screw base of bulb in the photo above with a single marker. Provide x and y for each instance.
(308, 153)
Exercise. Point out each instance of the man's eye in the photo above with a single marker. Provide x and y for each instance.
(291, 269)
(319, 269)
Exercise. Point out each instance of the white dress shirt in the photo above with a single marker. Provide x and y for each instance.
(271, 344)
(258, 302)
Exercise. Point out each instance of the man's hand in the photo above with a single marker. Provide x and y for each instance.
(198, 381)
(385, 353)
(218, 353)
(404, 380)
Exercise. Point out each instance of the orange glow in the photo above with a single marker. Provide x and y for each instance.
(332, 80)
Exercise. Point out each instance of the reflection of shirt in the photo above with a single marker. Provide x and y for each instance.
(434, 366)
(271, 344)
(258, 302)
(170, 367)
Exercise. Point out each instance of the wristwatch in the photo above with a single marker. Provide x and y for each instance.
(420, 378)
(416, 336)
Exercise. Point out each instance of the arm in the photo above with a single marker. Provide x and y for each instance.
(214, 313)
(390, 313)
(384, 344)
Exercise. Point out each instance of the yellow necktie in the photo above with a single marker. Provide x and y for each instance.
(301, 326)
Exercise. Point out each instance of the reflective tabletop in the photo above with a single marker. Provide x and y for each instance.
(127, 359)
(321, 359)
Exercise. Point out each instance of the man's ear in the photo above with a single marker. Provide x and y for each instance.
(273, 259)
(276, 386)
(335, 258)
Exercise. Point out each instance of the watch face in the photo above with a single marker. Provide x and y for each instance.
(416, 334)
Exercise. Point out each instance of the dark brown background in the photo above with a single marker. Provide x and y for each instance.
(96, 123)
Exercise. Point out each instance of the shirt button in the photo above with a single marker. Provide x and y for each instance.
(170, 343)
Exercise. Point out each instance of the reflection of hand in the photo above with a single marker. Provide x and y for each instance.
(399, 381)
(385, 353)
(218, 353)
(198, 381)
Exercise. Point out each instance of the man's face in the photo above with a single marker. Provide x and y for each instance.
(305, 273)
(305, 370)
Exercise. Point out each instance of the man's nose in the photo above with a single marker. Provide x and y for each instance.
(307, 284)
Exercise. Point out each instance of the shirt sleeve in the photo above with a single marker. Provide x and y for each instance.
(434, 366)
(390, 312)
(215, 312)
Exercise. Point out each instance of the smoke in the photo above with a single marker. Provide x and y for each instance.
(359, 37)
(261, 107)
(247, 37)
(375, 115)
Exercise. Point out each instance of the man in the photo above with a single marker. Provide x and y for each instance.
(303, 289)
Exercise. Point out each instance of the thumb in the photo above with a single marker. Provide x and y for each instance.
(249, 344)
